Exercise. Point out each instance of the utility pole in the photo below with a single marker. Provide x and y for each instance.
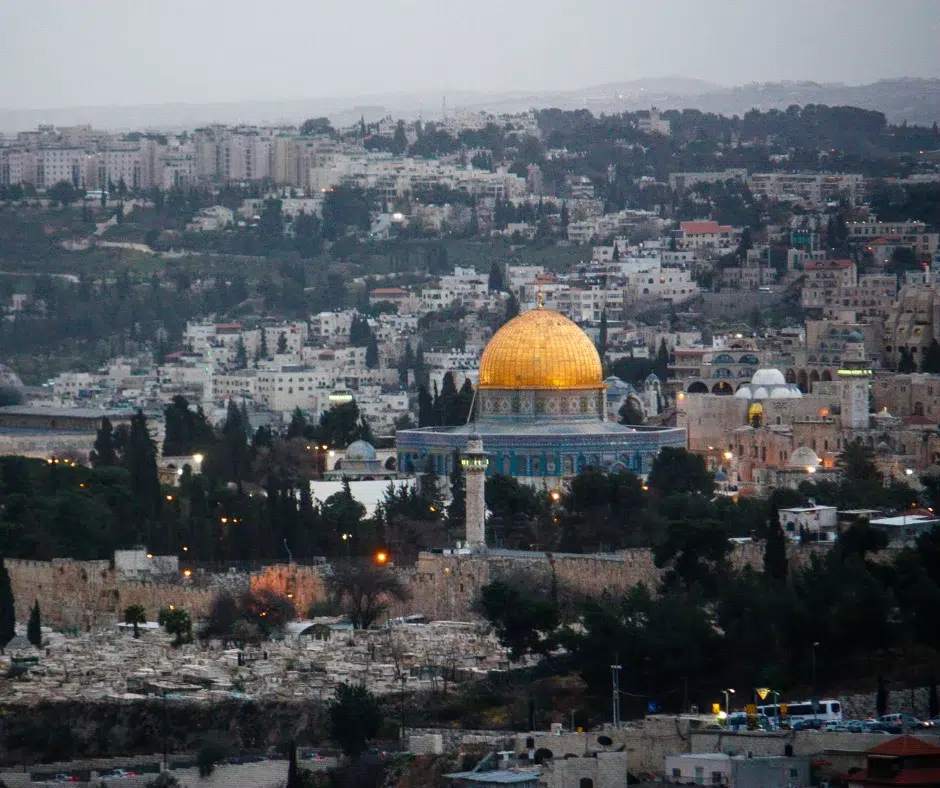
(166, 758)
(615, 675)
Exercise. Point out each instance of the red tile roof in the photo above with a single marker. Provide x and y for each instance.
(699, 228)
(388, 291)
(904, 746)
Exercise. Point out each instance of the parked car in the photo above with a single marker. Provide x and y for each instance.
(64, 778)
(855, 726)
(877, 726)
(376, 755)
(808, 725)
(311, 755)
(904, 720)
(118, 774)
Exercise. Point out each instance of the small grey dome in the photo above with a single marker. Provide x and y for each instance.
(360, 450)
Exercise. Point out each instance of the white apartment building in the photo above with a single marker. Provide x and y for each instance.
(292, 387)
(687, 180)
(809, 187)
(241, 384)
(331, 326)
(909, 233)
(707, 235)
(670, 284)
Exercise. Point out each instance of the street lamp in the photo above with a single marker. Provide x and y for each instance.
(347, 539)
(728, 693)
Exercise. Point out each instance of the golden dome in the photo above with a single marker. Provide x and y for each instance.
(540, 349)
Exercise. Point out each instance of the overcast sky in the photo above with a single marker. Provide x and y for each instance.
(60, 53)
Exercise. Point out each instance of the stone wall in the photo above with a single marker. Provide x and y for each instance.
(88, 594)
(91, 594)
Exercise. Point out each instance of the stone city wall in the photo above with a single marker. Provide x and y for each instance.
(91, 594)
(445, 586)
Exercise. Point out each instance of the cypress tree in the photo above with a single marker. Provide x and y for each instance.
(457, 508)
(7, 608)
(34, 627)
(104, 453)
(775, 553)
(602, 335)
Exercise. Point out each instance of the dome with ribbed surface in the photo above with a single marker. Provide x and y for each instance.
(540, 349)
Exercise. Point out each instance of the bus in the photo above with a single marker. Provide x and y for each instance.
(826, 711)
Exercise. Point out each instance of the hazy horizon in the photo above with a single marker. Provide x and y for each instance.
(113, 53)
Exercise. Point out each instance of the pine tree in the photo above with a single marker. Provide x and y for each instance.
(616, 255)
(457, 508)
(495, 282)
(425, 408)
(602, 335)
(34, 627)
(775, 552)
(241, 355)
(282, 343)
(263, 344)
(104, 453)
(512, 308)
(564, 215)
(140, 459)
(7, 608)
(372, 352)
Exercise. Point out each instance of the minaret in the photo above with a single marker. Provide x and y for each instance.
(855, 380)
(474, 467)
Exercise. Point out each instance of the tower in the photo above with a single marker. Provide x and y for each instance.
(854, 383)
(474, 467)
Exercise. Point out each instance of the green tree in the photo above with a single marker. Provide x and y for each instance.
(602, 336)
(694, 555)
(211, 753)
(364, 590)
(34, 627)
(176, 622)
(135, 615)
(281, 343)
(355, 718)
(140, 460)
(372, 352)
(62, 192)
(400, 140)
(495, 282)
(457, 508)
(775, 552)
(677, 470)
(104, 453)
(7, 608)
(630, 413)
(524, 622)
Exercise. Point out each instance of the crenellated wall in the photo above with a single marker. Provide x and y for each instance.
(91, 594)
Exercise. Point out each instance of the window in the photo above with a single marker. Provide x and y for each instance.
(586, 782)
(699, 775)
(676, 773)
(794, 774)
(716, 778)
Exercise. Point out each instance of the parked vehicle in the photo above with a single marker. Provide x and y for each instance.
(904, 720)
(877, 726)
(118, 774)
(311, 755)
(64, 778)
(826, 710)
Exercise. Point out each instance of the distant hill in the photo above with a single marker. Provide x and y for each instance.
(912, 100)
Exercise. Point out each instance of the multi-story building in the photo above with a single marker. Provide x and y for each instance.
(825, 281)
(706, 235)
(687, 180)
(909, 233)
(654, 124)
(809, 187)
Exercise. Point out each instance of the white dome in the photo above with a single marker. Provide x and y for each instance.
(760, 393)
(803, 457)
(768, 377)
(360, 450)
(744, 392)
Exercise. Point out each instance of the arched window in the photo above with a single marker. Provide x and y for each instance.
(586, 782)
(723, 358)
(918, 409)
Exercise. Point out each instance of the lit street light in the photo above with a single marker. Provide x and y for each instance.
(728, 693)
